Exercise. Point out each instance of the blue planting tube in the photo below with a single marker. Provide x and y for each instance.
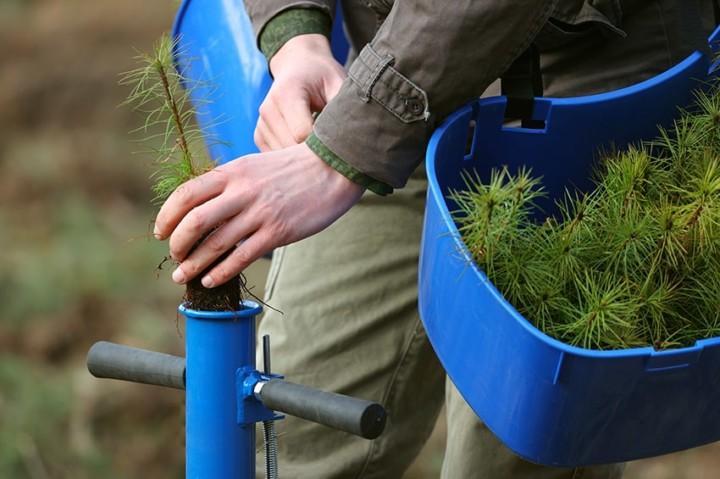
(217, 345)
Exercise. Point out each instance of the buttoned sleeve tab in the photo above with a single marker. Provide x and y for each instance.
(427, 59)
(376, 79)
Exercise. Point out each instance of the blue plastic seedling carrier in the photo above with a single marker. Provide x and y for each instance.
(549, 402)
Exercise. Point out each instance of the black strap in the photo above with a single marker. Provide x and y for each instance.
(716, 10)
(521, 83)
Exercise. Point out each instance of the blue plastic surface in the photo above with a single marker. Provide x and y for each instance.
(549, 402)
(216, 346)
(217, 51)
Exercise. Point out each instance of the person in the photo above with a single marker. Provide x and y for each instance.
(348, 289)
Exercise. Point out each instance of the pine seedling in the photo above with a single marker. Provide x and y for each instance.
(492, 213)
(658, 310)
(604, 314)
(161, 94)
(158, 91)
(634, 262)
(570, 242)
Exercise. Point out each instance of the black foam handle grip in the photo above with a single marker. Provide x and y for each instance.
(115, 361)
(356, 416)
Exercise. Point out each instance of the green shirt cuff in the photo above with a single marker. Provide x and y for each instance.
(348, 171)
(291, 23)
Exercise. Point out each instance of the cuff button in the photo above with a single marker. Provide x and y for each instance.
(415, 106)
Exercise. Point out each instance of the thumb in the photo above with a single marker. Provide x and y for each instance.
(333, 83)
(333, 87)
(298, 116)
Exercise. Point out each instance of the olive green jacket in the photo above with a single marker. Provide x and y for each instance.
(418, 61)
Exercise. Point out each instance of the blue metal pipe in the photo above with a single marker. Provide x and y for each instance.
(217, 345)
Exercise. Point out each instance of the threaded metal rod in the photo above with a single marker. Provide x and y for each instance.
(271, 461)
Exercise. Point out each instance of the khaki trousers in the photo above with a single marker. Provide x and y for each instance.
(349, 296)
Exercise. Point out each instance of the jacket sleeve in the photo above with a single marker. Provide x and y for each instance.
(427, 59)
(261, 12)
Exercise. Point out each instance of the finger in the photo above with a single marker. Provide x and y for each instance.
(276, 123)
(185, 198)
(298, 116)
(332, 87)
(246, 252)
(267, 142)
(214, 246)
(200, 220)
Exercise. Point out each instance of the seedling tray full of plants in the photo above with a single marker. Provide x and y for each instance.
(591, 387)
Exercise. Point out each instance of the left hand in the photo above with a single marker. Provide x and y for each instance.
(252, 204)
(306, 78)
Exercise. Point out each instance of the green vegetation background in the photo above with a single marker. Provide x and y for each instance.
(76, 264)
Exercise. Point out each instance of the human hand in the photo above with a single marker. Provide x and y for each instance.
(306, 78)
(252, 204)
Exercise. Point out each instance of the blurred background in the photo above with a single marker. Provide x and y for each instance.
(77, 263)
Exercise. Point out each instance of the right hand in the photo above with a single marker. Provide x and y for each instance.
(307, 77)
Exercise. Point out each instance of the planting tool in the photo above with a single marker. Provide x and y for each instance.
(225, 395)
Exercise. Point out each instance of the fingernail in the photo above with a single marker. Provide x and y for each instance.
(156, 232)
(208, 282)
(178, 276)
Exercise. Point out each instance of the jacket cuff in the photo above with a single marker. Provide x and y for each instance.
(291, 23)
(262, 11)
(345, 169)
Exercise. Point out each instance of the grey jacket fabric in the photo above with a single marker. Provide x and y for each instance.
(421, 59)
